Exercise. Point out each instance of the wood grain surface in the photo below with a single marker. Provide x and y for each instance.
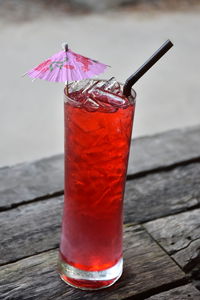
(146, 268)
(25, 182)
(162, 193)
(186, 292)
(28, 181)
(162, 252)
(179, 235)
(164, 149)
(35, 227)
(30, 229)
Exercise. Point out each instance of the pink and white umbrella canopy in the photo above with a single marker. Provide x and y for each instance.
(67, 65)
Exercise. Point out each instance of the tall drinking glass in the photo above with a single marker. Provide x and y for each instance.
(97, 141)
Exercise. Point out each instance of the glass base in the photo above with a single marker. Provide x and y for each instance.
(89, 280)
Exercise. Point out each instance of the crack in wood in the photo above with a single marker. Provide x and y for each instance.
(196, 206)
(28, 256)
(160, 245)
(172, 252)
(184, 292)
(163, 168)
(179, 236)
(25, 202)
(158, 290)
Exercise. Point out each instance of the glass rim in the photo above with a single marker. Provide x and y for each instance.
(133, 92)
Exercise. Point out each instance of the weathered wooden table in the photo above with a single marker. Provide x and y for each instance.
(161, 231)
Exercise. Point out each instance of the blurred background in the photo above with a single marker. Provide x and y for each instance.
(120, 33)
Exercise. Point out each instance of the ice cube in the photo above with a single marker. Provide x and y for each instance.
(72, 99)
(92, 85)
(112, 85)
(108, 97)
(77, 85)
(99, 84)
(106, 107)
(77, 96)
(90, 105)
(88, 86)
(73, 102)
(109, 83)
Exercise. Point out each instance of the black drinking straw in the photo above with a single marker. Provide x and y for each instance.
(145, 67)
(66, 47)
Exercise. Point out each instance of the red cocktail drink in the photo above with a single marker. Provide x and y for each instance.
(98, 126)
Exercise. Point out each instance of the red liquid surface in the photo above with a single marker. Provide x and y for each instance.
(96, 156)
